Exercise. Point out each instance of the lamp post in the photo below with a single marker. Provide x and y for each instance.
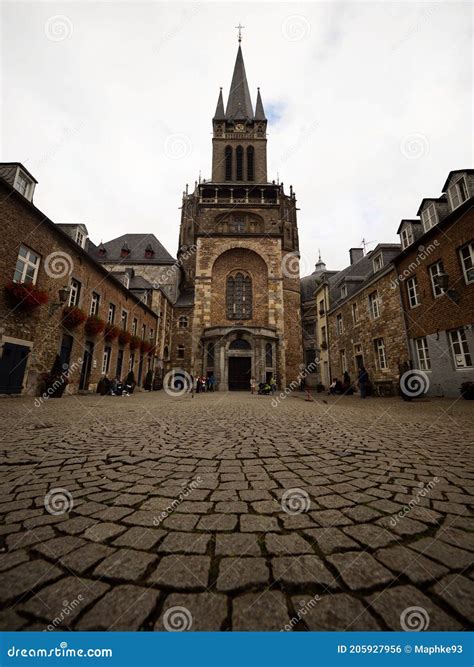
(443, 283)
(63, 295)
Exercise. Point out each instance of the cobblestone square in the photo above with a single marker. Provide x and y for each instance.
(223, 512)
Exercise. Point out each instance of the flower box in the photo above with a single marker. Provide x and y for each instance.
(111, 332)
(135, 342)
(94, 325)
(145, 346)
(25, 297)
(324, 345)
(73, 317)
(124, 337)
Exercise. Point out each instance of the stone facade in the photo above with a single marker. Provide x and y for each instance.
(40, 333)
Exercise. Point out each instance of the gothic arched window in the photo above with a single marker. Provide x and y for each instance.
(268, 355)
(250, 170)
(228, 163)
(239, 297)
(239, 153)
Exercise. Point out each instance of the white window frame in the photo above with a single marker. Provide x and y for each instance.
(131, 361)
(429, 217)
(374, 305)
(437, 290)
(423, 353)
(381, 354)
(180, 352)
(339, 324)
(27, 262)
(80, 237)
(377, 262)
(342, 354)
(412, 292)
(343, 291)
(151, 335)
(106, 360)
(460, 349)
(134, 326)
(111, 313)
(75, 293)
(95, 304)
(455, 193)
(20, 175)
(124, 319)
(355, 312)
(406, 236)
(465, 260)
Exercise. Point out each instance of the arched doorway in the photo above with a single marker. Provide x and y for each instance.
(240, 364)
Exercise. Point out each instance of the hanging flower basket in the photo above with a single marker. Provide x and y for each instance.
(25, 296)
(135, 342)
(94, 325)
(324, 345)
(124, 337)
(73, 317)
(111, 332)
(145, 346)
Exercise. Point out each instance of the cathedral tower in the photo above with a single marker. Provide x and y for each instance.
(239, 312)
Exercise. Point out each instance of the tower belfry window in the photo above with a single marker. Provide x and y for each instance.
(250, 163)
(239, 297)
(240, 163)
(228, 163)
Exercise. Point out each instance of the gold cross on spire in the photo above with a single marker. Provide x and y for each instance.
(239, 28)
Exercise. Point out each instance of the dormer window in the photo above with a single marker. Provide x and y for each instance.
(429, 217)
(377, 263)
(406, 236)
(149, 252)
(102, 252)
(458, 193)
(125, 251)
(126, 280)
(80, 238)
(23, 184)
(343, 291)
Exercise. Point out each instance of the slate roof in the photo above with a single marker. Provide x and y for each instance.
(137, 244)
(239, 103)
(185, 299)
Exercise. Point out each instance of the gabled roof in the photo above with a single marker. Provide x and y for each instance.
(259, 112)
(456, 171)
(22, 167)
(239, 103)
(136, 243)
(430, 199)
(220, 113)
(185, 299)
(415, 221)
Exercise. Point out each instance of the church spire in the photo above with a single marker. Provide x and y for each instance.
(220, 114)
(259, 112)
(239, 104)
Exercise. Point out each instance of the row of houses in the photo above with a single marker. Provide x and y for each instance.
(407, 305)
(105, 310)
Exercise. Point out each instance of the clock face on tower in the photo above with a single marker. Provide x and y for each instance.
(240, 127)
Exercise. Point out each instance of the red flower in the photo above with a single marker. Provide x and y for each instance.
(135, 342)
(73, 317)
(111, 332)
(25, 296)
(124, 337)
(94, 325)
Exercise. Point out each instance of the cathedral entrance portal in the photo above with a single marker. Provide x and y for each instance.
(240, 369)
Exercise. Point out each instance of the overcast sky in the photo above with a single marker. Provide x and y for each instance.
(109, 105)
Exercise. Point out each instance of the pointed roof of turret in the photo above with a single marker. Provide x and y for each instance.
(220, 113)
(239, 104)
(259, 112)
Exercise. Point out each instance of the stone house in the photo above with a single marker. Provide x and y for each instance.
(435, 275)
(55, 269)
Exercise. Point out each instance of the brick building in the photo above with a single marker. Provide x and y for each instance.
(435, 275)
(365, 319)
(36, 252)
(239, 310)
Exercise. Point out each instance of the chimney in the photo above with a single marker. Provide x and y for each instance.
(356, 254)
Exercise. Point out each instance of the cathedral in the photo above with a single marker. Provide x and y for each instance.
(238, 314)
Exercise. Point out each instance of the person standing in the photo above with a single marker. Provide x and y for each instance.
(273, 385)
(363, 379)
(253, 384)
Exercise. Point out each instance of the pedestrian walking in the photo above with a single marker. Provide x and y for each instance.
(363, 380)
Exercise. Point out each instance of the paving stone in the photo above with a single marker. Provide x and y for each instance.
(59, 546)
(330, 518)
(190, 543)
(260, 611)
(182, 572)
(360, 570)
(333, 613)
(10, 620)
(125, 564)
(29, 537)
(180, 521)
(112, 513)
(140, 538)
(236, 507)
(77, 525)
(60, 603)
(458, 592)
(252, 523)
(416, 567)
(26, 578)
(9, 560)
(444, 553)
(370, 535)
(361, 514)
(125, 608)
(103, 531)
(458, 538)
(202, 612)
(329, 540)
(241, 573)
(396, 604)
(282, 545)
(81, 560)
(217, 522)
(302, 571)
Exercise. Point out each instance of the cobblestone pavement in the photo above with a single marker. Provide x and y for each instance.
(222, 512)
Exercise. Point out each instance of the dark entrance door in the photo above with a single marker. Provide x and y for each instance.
(86, 366)
(12, 368)
(239, 373)
(65, 352)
